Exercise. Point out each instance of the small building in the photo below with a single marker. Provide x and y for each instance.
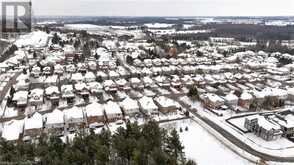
(231, 99)
(36, 97)
(113, 74)
(136, 83)
(95, 115)
(245, 100)
(58, 69)
(290, 92)
(54, 122)
(148, 106)
(110, 86)
(92, 65)
(211, 100)
(77, 77)
(95, 87)
(12, 130)
(130, 106)
(21, 98)
(90, 77)
(68, 93)
(123, 84)
(53, 94)
(101, 75)
(82, 68)
(70, 68)
(51, 80)
(113, 111)
(74, 118)
(47, 71)
(22, 82)
(166, 105)
(82, 89)
(33, 125)
(275, 97)
(36, 72)
(148, 82)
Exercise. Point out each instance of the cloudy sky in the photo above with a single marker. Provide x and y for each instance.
(164, 7)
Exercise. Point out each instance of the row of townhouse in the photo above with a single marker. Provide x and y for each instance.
(267, 98)
(92, 116)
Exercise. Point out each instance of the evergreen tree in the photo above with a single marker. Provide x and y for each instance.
(55, 39)
(174, 146)
(193, 93)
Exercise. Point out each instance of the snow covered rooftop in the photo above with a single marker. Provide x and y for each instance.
(147, 103)
(12, 129)
(55, 117)
(73, 113)
(246, 96)
(51, 89)
(34, 122)
(112, 108)
(166, 102)
(94, 109)
(129, 103)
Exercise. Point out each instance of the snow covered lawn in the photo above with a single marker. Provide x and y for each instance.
(203, 147)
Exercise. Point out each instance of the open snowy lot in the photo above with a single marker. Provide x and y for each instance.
(204, 148)
(36, 39)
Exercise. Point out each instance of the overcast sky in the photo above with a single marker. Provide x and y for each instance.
(164, 7)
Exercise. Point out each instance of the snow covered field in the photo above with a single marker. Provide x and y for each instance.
(36, 39)
(204, 148)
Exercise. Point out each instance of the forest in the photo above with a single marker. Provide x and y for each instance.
(146, 144)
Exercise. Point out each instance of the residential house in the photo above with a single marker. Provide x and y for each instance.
(101, 75)
(166, 105)
(231, 99)
(263, 127)
(77, 77)
(36, 72)
(211, 100)
(95, 87)
(148, 82)
(113, 74)
(123, 84)
(12, 130)
(52, 80)
(20, 98)
(113, 111)
(82, 68)
(36, 97)
(68, 93)
(47, 71)
(95, 115)
(130, 106)
(245, 100)
(74, 118)
(90, 77)
(53, 94)
(58, 69)
(147, 106)
(22, 82)
(33, 125)
(110, 86)
(136, 83)
(54, 122)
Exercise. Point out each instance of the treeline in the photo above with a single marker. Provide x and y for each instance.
(271, 46)
(242, 32)
(134, 145)
(248, 32)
